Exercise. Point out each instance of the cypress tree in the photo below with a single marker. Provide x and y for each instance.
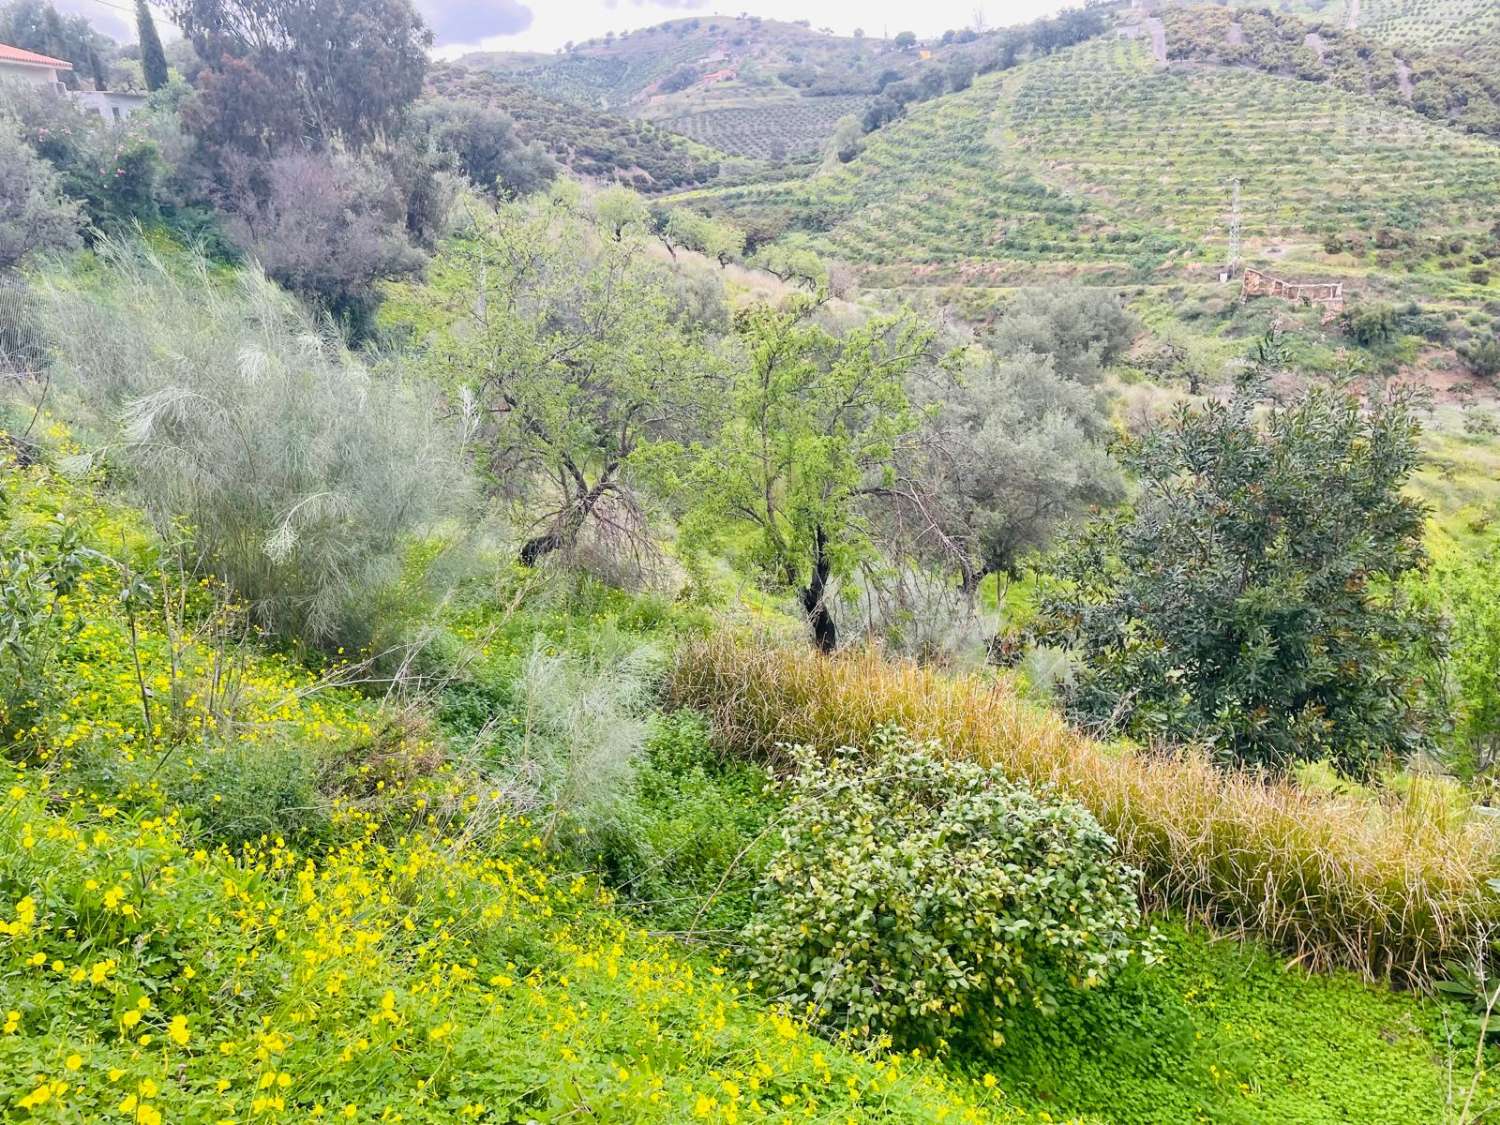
(96, 65)
(153, 58)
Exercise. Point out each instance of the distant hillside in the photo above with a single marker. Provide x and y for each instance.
(1448, 25)
(1442, 86)
(767, 129)
(660, 69)
(771, 91)
(1462, 28)
(589, 142)
(1098, 161)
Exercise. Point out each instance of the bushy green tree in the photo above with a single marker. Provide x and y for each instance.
(807, 436)
(484, 145)
(619, 210)
(1013, 453)
(1082, 330)
(678, 227)
(921, 897)
(1482, 356)
(35, 216)
(569, 344)
(1371, 326)
(327, 69)
(1249, 599)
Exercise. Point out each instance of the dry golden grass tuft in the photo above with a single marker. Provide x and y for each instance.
(1389, 888)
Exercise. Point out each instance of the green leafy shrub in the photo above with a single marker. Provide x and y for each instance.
(237, 794)
(1482, 357)
(1371, 326)
(693, 843)
(1248, 600)
(34, 214)
(919, 897)
(40, 561)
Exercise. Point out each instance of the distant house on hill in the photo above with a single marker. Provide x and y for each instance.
(33, 69)
(116, 105)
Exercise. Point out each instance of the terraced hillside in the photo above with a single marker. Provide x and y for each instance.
(1432, 24)
(591, 143)
(784, 129)
(1441, 86)
(669, 65)
(1096, 160)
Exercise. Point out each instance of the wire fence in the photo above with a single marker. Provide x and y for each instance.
(22, 349)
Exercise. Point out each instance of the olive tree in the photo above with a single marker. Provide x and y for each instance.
(1013, 453)
(807, 438)
(568, 341)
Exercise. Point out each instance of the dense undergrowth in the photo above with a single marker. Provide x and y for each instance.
(295, 898)
(385, 940)
(1390, 890)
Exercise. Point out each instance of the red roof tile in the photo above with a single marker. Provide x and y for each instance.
(16, 55)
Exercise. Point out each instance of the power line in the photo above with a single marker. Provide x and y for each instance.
(116, 7)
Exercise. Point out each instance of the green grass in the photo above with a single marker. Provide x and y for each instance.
(1461, 483)
(1220, 1031)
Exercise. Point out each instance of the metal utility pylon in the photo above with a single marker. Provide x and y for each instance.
(1235, 232)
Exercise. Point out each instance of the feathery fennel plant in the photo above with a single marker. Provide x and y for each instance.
(581, 723)
(302, 471)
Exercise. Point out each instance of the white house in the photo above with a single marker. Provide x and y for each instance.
(40, 70)
(30, 67)
(112, 105)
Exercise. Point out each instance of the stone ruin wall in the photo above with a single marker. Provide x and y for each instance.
(1329, 294)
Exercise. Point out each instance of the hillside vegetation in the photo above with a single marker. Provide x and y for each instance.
(1061, 165)
(1456, 25)
(732, 573)
(587, 142)
(755, 54)
(1443, 88)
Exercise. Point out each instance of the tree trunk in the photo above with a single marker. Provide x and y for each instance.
(971, 578)
(565, 528)
(814, 598)
(539, 546)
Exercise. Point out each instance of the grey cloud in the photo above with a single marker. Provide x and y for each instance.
(683, 5)
(454, 21)
(118, 28)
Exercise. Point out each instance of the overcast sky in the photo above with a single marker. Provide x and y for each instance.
(545, 25)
